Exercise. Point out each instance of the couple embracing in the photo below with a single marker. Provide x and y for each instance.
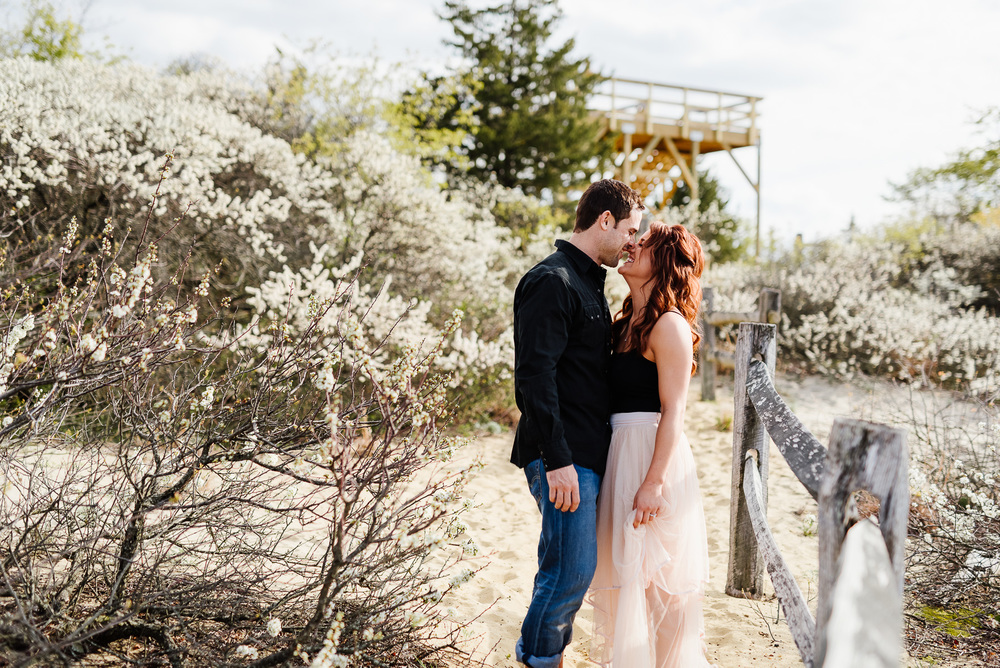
(601, 439)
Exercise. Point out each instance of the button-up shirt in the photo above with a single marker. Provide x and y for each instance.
(562, 348)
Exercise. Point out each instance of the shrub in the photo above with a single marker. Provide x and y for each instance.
(971, 251)
(169, 496)
(854, 307)
(249, 215)
(953, 571)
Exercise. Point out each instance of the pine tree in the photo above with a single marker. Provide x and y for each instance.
(720, 231)
(530, 127)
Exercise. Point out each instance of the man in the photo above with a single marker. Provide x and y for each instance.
(562, 345)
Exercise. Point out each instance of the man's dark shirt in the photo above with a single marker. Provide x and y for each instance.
(562, 347)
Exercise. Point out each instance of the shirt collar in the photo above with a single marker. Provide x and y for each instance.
(583, 262)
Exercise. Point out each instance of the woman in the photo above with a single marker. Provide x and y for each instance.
(652, 560)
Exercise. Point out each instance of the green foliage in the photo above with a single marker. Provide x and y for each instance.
(724, 422)
(908, 233)
(434, 118)
(43, 36)
(962, 188)
(526, 216)
(317, 103)
(809, 526)
(956, 622)
(724, 235)
(531, 128)
(709, 191)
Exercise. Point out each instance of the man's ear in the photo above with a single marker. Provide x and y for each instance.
(607, 220)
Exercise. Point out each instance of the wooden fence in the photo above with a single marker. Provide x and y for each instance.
(859, 612)
(709, 356)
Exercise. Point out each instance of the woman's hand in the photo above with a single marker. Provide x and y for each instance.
(648, 503)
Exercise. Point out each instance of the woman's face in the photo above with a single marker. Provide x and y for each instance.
(639, 265)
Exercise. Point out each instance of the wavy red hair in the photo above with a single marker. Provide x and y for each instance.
(678, 262)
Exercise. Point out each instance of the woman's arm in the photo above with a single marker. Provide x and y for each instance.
(671, 345)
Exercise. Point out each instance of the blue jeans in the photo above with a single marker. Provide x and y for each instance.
(567, 558)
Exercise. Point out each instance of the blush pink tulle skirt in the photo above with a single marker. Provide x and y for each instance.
(649, 584)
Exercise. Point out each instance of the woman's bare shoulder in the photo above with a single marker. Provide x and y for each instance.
(671, 336)
(672, 326)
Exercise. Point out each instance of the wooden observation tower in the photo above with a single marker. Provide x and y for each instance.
(660, 131)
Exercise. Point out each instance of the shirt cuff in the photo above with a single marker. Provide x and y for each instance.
(556, 458)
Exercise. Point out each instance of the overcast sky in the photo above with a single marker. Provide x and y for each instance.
(856, 92)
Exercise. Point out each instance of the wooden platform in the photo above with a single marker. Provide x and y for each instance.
(658, 127)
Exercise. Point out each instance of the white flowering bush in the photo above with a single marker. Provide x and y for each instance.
(970, 250)
(858, 307)
(272, 230)
(168, 488)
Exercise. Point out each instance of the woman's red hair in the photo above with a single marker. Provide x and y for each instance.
(678, 262)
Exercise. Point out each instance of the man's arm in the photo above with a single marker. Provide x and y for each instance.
(543, 312)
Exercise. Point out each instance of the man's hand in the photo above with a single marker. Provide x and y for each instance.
(564, 488)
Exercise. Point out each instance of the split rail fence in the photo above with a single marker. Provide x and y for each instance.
(859, 611)
(709, 356)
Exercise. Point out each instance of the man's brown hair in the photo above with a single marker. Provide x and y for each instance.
(606, 195)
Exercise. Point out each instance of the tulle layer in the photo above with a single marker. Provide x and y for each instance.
(650, 580)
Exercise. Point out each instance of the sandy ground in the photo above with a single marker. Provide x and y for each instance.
(738, 632)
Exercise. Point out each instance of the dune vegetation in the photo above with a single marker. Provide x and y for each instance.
(247, 319)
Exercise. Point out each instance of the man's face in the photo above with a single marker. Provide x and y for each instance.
(619, 239)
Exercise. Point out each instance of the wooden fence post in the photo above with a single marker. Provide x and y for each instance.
(746, 567)
(871, 457)
(706, 352)
(769, 305)
(865, 626)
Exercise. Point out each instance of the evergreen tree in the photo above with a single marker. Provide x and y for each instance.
(717, 229)
(435, 118)
(530, 125)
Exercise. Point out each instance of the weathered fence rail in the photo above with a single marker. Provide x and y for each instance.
(709, 356)
(859, 612)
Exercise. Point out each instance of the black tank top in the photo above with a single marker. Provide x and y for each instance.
(634, 384)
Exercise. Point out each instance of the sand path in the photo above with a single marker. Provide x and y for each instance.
(738, 632)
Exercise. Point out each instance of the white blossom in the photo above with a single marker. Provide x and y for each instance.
(247, 652)
(88, 344)
(461, 578)
(207, 398)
